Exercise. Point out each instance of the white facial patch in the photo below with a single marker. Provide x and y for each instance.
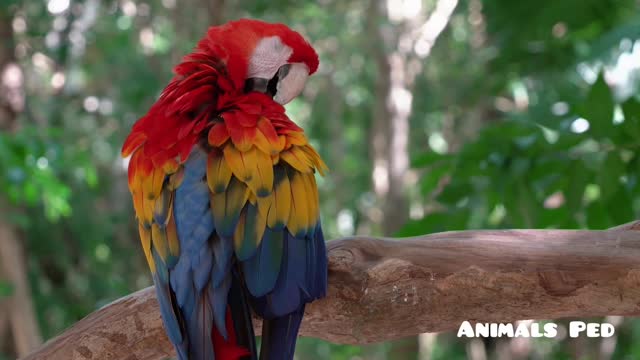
(292, 84)
(268, 56)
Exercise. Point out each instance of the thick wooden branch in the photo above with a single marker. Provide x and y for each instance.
(382, 289)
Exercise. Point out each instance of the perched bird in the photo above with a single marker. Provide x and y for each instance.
(224, 192)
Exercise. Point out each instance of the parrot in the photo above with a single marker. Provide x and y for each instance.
(224, 191)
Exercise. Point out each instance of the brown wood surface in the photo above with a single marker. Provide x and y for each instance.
(383, 289)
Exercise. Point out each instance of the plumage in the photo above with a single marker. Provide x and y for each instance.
(218, 173)
(281, 200)
(223, 186)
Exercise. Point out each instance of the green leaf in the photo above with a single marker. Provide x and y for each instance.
(598, 216)
(598, 108)
(429, 158)
(620, 207)
(553, 218)
(432, 178)
(609, 175)
(578, 179)
(91, 176)
(631, 124)
(436, 222)
(519, 166)
(455, 192)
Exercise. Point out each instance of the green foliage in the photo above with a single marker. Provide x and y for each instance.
(598, 108)
(32, 174)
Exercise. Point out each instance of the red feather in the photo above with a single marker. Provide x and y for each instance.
(227, 349)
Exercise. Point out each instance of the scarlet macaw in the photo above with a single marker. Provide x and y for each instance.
(224, 191)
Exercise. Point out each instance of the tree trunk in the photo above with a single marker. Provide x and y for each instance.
(22, 319)
(19, 315)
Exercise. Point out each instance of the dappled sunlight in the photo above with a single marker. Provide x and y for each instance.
(580, 125)
(57, 6)
(436, 23)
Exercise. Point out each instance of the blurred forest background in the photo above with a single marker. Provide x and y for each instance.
(432, 114)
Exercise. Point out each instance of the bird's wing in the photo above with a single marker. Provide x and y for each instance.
(190, 263)
(264, 197)
(261, 174)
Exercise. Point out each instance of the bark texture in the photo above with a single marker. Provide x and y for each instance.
(383, 289)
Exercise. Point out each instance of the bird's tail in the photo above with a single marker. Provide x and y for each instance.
(279, 336)
(240, 343)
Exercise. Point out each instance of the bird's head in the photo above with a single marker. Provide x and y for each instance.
(264, 57)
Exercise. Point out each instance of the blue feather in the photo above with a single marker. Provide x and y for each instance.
(248, 242)
(191, 277)
(302, 278)
(191, 205)
(321, 265)
(279, 336)
(201, 266)
(179, 278)
(218, 301)
(286, 295)
(262, 269)
(222, 253)
(199, 329)
(167, 310)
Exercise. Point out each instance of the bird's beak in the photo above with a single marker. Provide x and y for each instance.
(291, 81)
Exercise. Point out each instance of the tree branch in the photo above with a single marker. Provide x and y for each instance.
(383, 289)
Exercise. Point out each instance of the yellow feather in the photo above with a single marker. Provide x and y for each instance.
(147, 209)
(227, 205)
(233, 157)
(296, 158)
(250, 159)
(171, 166)
(159, 239)
(172, 236)
(137, 202)
(315, 159)
(262, 181)
(299, 216)
(218, 205)
(147, 186)
(261, 223)
(281, 203)
(242, 164)
(297, 138)
(312, 202)
(176, 179)
(218, 173)
(282, 142)
(248, 233)
(238, 235)
(157, 176)
(262, 143)
(237, 196)
(264, 204)
(145, 239)
(162, 205)
(316, 196)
